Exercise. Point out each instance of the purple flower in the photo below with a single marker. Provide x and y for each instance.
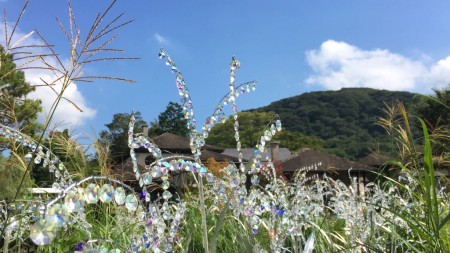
(279, 212)
(79, 247)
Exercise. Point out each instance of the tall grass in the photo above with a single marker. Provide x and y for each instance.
(93, 48)
(404, 212)
(427, 217)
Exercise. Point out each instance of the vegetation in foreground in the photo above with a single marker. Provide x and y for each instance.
(407, 212)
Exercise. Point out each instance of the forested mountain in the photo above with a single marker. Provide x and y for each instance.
(346, 119)
(251, 128)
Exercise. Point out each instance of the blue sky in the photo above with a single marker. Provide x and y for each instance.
(289, 47)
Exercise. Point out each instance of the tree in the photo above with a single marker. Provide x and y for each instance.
(11, 172)
(436, 109)
(16, 110)
(171, 120)
(117, 134)
(251, 127)
(295, 141)
(346, 119)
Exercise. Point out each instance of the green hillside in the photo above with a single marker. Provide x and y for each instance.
(344, 119)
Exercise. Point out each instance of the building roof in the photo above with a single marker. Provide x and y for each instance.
(170, 144)
(247, 153)
(169, 141)
(124, 170)
(329, 163)
(173, 142)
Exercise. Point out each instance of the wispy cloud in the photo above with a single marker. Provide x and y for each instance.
(161, 39)
(338, 64)
(66, 115)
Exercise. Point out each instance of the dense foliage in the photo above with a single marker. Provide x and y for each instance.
(19, 112)
(16, 109)
(346, 119)
(11, 173)
(251, 127)
(436, 109)
(171, 120)
(117, 134)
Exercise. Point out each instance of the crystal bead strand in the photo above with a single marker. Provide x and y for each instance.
(218, 116)
(41, 154)
(137, 141)
(188, 108)
(260, 150)
(234, 66)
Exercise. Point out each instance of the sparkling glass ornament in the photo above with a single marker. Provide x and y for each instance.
(42, 232)
(156, 172)
(165, 185)
(267, 135)
(162, 55)
(28, 157)
(119, 196)
(255, 179)
(106, 193)
(147, 178)
(166, 195)
(57, 215)
(131, 202)
(73, 201)
(38, 159)
(278, 125)
(91, 193)
(273, 129)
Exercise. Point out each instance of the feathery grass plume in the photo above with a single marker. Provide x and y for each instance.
(92, 49)
(82, 51)
(427, 212)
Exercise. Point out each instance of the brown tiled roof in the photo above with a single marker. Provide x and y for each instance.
(169, 141)
(124, 171)
(172, 141)
(169, 144)
(248, 153)
(308, 157)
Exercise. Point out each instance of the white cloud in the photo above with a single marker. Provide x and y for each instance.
(160, 39)
(66, 115)
(439, 72)
(339, 64)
